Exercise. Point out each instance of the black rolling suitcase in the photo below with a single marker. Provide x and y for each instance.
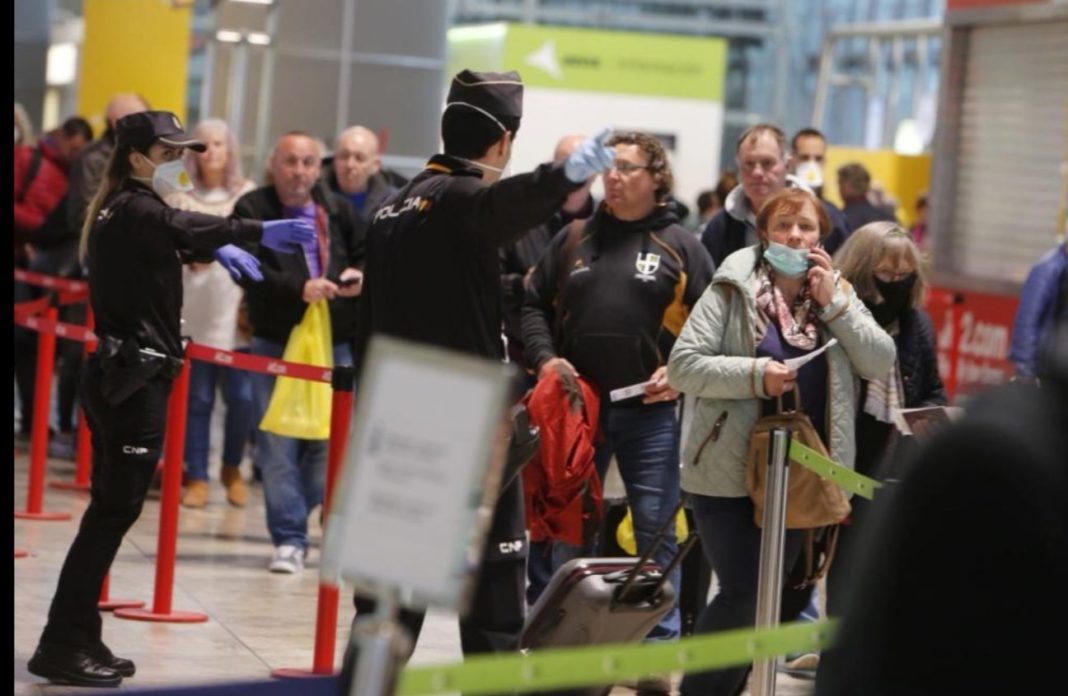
(592, 601)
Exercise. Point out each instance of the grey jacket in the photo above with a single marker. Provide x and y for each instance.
(714, 362)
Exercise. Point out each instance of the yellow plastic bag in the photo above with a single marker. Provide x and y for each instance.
(625, 532)
(300, 408)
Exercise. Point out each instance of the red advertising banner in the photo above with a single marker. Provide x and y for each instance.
(973, 331)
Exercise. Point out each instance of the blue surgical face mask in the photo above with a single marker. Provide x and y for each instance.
(789, 262)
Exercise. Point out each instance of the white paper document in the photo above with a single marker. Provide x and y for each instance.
(796, 363)
(628, 392)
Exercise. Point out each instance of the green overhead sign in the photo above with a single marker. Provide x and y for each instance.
(595, 61)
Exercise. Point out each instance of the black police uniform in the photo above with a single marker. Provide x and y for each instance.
(433, 276)
(137, 246)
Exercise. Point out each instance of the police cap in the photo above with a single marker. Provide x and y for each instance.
(140, 130)
(497, 96)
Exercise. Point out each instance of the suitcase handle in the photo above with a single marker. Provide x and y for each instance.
(648, 555)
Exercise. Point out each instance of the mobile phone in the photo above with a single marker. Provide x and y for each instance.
(349, 282)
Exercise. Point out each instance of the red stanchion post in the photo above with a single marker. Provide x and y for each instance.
(84, 462)
(167, 546)
(46, 355)
(344, 379)
(105, 603)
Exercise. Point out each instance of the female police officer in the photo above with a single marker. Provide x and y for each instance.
(136, 245)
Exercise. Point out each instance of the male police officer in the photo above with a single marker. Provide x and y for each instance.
(432, 276)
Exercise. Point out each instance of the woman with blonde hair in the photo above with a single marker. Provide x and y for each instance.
(134, 245)
(210, 316)
(886, 268)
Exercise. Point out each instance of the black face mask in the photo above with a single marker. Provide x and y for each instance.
(896, 296)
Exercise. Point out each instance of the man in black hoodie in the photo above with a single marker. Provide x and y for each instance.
(607, 301)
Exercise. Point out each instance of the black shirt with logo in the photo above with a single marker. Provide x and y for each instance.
(615, 305)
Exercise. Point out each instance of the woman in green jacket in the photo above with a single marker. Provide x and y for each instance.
(767, 303)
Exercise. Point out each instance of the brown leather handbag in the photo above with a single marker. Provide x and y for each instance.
(811, 500)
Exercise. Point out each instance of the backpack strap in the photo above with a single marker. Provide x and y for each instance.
(830, 546)
(567, 252)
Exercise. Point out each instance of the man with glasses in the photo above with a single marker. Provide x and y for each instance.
(606, 302)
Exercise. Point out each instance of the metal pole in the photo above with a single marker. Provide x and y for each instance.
(344, 80)
(235, 102)
(263, 106)
(782, 63)
(382, 646)
(823, 82)
(893, 100)
(769, 584)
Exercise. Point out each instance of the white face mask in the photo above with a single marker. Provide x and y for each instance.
(811, 173)
(170, 177)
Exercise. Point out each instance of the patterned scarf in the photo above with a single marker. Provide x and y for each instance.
(797, 323)
(887, 394)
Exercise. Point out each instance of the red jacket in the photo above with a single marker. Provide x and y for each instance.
(560, 484)
(42, 194)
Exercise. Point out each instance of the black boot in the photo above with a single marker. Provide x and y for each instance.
(122, 665)
(72, 666)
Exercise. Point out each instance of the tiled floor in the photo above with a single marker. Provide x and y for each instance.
(257, 621)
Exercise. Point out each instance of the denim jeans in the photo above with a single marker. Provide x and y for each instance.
(645, 442)
(539, 569)
(237, 393)
(294, 471)
(731, 542)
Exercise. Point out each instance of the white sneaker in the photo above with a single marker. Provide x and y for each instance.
(287, 559)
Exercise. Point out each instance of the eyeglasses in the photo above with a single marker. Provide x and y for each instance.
(627, 168)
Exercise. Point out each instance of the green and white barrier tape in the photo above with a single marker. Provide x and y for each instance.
(586, 666)
(844, 478)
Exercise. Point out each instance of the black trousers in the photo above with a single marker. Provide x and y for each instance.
(127, 443)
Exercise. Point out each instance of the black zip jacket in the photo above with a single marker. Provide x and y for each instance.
(433, 268)
(624, 291)
(137, 246)
(277, 304)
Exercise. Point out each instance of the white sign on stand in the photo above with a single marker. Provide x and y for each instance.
(411, 509)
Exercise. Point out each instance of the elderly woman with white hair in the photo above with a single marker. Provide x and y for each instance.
(210, 313)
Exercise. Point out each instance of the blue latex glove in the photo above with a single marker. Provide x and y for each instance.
(590, 158)
(239, 262)
(287, 236)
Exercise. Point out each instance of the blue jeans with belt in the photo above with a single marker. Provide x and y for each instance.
(294, 471)
(645, 442)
